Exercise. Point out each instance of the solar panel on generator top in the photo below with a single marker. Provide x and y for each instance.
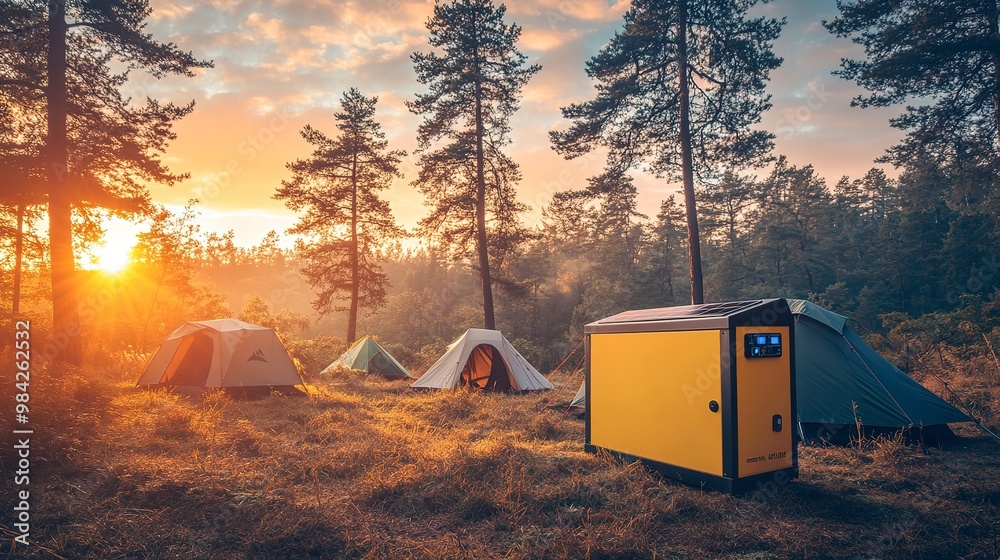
(681, 312)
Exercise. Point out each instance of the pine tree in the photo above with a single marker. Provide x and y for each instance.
(725, 205)
(21, 191)
(344, 218)
(666, 277)
(678, 90)
(100, 149)
(792, 243)
(941, 56)
(943, 60)
(617, 221)
(475, 79)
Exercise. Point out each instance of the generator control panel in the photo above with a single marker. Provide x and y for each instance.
(762, 345)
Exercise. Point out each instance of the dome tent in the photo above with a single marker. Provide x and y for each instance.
(836, 370)
(224, 353)
(368, 355)
(483, 359)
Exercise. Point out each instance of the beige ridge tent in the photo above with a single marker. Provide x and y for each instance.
(223, 353)
(483, 359)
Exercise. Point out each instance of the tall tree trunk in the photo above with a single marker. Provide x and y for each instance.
(352, 320)
(994, 18)
(18, 261)
(484, 259)
(65, 315)
(687, 167)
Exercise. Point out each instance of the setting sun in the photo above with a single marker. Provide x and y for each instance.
(112, 257)
(114, 253)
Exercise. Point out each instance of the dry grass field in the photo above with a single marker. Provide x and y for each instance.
(363, 468)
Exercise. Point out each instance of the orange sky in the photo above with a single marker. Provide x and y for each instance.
(280, 65)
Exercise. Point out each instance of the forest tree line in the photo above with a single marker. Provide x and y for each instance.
(679, 92)
(884, 251)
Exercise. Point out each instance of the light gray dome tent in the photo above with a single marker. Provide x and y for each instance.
(483, 359)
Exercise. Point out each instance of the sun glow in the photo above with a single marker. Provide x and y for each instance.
(114, 253)
(112, 257)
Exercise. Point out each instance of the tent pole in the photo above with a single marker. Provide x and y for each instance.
(967, 410)
(875, 377)
(568, 356)
(990, 346)
(571, 375)
(986, 430)
(579, 365)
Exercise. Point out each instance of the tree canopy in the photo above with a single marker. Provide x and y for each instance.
(100, 148)
(679, 89)
(943, 57)
(345, 221)
(474, 78)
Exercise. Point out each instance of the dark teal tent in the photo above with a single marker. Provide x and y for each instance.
(836, 370)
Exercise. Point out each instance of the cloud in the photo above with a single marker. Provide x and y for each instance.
(558, 13)
(544, 39)
(287, 62)
(167, 9)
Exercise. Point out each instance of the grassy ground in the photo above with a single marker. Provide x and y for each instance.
(369, 469)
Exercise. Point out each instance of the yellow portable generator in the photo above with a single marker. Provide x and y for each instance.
(704, 394)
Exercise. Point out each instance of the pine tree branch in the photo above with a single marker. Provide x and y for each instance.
(21, 83)
(25, 29)
(706, 76)
(661, 66)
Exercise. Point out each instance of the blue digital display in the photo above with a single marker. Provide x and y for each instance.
(763, 345)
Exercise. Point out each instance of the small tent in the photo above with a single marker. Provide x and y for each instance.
(483, 359)
(580, 399)
(221, 353)
(836, 370)
(367, 355)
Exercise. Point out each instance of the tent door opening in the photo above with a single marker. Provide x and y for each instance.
(191, 363)
(485, 369)
(381, 365)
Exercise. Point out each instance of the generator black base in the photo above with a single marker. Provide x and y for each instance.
(764, 482)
